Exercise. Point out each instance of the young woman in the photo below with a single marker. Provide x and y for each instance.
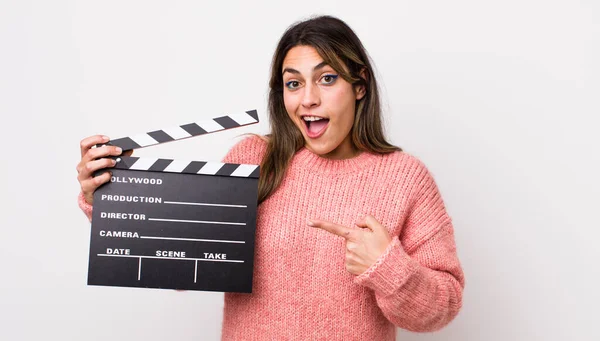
(353, 238)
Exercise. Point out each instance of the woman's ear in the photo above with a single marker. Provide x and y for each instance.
(361, 89)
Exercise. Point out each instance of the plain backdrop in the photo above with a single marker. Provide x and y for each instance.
(500, 99)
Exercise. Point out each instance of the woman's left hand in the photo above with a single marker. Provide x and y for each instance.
(363, 246)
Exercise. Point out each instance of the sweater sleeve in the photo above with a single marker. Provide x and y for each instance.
(418, 280)
(84, 206)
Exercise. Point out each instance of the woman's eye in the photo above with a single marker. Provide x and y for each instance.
(329, 79)
(292, 84)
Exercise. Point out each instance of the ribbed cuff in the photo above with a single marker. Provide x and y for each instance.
(84, 206)
(391, 270)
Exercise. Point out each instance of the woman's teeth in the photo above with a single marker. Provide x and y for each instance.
(312, 118)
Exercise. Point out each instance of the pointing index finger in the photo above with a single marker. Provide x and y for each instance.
(339, 230)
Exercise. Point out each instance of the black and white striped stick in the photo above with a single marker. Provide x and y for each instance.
(186, 130)
(187, 167)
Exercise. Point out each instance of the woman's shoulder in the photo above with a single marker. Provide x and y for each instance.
(402, 158)
(406, 165)
(249, 150)
(254, 140)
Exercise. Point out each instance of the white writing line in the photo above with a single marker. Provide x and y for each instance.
(196, 240)
(202, 204)
(197, 221)
(177, 258)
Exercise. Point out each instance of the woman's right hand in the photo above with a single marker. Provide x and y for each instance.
(93, 159)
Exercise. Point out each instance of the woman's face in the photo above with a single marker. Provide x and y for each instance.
(319, 102)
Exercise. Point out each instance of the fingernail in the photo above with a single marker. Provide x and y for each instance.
(310, 223)
(119, 150)
(105, 138)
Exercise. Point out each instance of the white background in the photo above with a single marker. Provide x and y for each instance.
(499, 98)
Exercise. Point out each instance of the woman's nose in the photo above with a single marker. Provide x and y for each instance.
(311, 96)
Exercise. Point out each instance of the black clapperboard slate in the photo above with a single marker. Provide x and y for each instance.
(174, 224)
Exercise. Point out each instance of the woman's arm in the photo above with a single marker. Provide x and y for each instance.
(418, 281)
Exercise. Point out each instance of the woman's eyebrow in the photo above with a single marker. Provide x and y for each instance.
(290, 70)
(320, 65)
(296, 72)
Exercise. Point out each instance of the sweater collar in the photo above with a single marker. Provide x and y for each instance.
(312, 162)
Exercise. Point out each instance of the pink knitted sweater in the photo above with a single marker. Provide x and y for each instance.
(301, 289)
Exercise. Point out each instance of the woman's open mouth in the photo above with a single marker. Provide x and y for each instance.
(315, 126)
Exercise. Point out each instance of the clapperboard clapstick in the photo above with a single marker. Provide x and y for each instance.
(176, 224)
(186, 130)
(187, 167)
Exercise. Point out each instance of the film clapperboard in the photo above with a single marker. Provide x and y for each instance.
(175, 224)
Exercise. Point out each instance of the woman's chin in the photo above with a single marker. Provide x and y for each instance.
(322, 151)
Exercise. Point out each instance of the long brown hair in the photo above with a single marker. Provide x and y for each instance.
(339, 47)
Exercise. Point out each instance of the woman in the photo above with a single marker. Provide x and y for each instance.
(352, 236)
